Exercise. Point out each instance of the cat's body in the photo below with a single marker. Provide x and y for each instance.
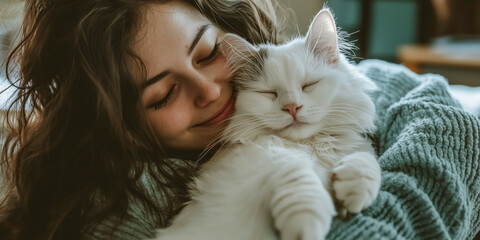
(295, 143)
(232, 199)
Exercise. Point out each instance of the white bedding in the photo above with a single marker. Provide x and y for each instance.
(4, 93)
(469, 97)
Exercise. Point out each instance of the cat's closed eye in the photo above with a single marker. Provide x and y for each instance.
(269, 93)
(310, 84)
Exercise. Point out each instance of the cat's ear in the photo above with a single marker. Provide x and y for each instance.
(236, 49)
(322, 37)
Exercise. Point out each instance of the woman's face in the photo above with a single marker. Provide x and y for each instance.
(186, 93)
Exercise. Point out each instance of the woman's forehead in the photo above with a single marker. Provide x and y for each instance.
(166, 31)
(168, 18)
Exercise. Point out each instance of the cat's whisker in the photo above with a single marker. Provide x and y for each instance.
(243, 123)
(353, 108)
(242, 134)
(341, 114)
(344, 115)
(344, 105)
(353, 111)
(351, 122)
(243, 126)
(266, 120)
(339, 109)
(349, 105)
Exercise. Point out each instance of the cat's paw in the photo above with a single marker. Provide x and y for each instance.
(356, 181)
(305, 226)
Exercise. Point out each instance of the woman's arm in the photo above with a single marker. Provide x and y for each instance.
(429, 151)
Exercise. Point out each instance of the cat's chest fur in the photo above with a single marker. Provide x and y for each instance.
(325, 148)
(329, 148)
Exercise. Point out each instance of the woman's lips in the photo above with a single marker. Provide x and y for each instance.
(222, 115)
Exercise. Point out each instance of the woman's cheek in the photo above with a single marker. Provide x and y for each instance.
(170, 123)
(222, 66)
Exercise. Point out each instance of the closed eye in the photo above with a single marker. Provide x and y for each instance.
(164, 100)
(212, 55)
(309, 84)
(273, 93)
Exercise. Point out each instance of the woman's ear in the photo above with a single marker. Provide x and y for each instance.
(322, 39)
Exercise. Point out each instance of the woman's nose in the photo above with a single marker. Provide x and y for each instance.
(207, 91)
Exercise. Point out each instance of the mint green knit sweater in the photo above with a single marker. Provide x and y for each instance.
(429, 151)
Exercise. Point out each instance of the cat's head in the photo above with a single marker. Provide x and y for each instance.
(297, 89)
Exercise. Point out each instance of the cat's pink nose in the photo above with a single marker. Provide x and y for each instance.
(292, 108)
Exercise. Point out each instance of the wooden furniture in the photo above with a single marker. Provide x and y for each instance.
(414, 56)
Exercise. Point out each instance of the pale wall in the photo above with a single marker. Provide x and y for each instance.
(304, 11)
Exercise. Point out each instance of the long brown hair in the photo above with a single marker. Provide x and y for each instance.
(79, 141)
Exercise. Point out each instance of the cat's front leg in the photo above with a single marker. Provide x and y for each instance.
(356, 181)
(301, 206)
(305, 226)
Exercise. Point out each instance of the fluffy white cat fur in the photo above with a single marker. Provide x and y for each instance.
(294, 145)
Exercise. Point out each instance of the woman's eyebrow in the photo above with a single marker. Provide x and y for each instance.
(155, 79)
(200, 31)
(198, 35)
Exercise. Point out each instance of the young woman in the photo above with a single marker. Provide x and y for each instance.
(107, 91)
(116, 99)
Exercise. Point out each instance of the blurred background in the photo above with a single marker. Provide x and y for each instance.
(439, 36)
(427, 36)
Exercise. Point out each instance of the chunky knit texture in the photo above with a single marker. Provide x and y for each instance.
(429, 152)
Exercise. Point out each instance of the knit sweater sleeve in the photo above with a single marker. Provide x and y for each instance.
(428, 150)
(140, 223)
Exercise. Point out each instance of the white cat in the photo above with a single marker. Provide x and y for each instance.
(294, 144)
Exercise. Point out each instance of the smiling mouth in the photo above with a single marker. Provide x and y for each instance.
(221, 115)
